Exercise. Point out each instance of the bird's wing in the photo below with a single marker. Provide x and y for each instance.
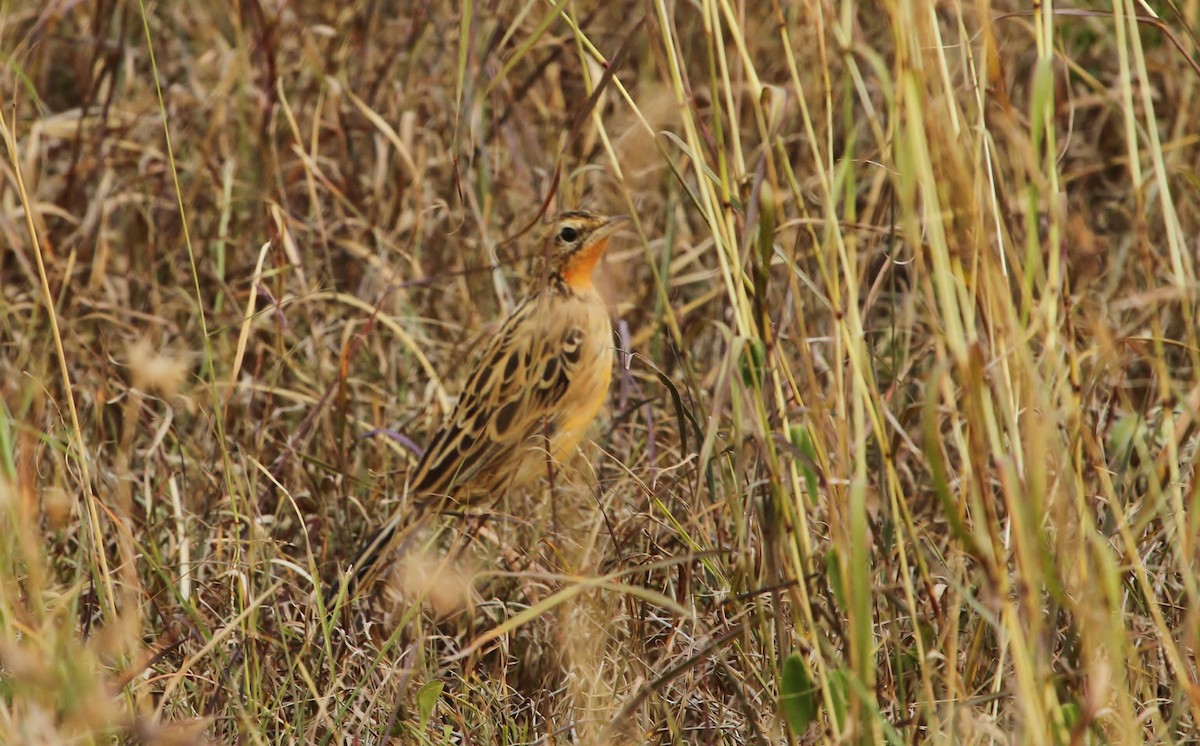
(513, 394)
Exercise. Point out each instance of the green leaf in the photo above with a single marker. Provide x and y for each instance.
(800, 438)
(1125, 435)
(1071, 715)
(797, 694)
(1042, 98)
(427, 699)
(754, 354)
(833, 573)
(8, 462)
(837, 693)
(767, 205)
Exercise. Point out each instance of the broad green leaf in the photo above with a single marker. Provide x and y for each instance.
(427, 699)
(797, 694)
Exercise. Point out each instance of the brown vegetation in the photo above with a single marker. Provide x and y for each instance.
(900, 441)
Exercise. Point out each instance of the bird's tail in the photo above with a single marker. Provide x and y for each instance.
(384, 545)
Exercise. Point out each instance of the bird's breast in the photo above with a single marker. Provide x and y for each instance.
(590, 379)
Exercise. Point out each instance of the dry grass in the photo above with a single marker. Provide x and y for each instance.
(902, 447)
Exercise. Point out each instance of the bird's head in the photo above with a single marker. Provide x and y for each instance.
(578, 240)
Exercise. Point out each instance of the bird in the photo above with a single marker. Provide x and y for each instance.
(531, 396)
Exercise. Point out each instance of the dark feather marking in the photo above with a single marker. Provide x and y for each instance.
(551, 370)
(435, 474)
(572, 349)
(504, 416)
(440, 453)
(496, 358)
(479, 424)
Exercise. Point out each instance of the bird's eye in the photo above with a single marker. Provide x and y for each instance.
(568, 234)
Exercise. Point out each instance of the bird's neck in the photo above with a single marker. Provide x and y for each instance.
(577, 269)
(557, 284)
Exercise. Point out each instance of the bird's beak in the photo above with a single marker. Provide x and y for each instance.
(611, 226)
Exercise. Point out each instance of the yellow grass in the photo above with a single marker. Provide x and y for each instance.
(901, 440)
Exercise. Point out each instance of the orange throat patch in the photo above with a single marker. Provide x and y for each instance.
(578, 270)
